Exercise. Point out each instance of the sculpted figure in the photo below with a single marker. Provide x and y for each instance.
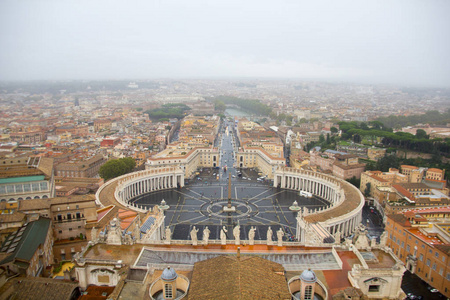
(251, 236)
(269, 236)
(206, 233)
(236, 234)
(223, 235)
(280, 235)
(194, 235)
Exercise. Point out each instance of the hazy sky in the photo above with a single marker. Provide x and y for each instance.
(379, 41)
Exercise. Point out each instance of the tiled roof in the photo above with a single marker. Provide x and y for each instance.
(399, 219)
(14, 217)
(37, 288)
(229, 277)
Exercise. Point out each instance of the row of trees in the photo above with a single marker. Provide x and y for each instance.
(167, 111)
(116, 167)
(432, 116)
(376, 133)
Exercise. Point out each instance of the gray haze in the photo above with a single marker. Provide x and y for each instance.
(392, 41)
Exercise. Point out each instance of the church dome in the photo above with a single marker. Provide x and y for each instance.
(308, 276)
(169, 274)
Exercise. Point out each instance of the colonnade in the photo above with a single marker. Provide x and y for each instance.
(327, 187)
(317, 186)
(347, 227)
(145, 185)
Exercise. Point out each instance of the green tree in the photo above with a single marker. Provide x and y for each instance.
(116, 167)
(333, 130)
(355, 181)
(321, 138)
(421, 134)
(388, 161)
(367, 189)
(219, 105)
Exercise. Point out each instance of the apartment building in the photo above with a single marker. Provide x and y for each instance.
(417, 239)
(28, 251)
(80, 167)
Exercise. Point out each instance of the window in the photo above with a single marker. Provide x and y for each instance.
(428, 262)
(168, 291)
(436, 254)
(441, 271)
(448, 276)
(374, 288)
(308, 293)
(408, 248)
(434, 266)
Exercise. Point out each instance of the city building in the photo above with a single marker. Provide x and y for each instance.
(417, 238)
(26, 178)
(29, 250)
(80, 167)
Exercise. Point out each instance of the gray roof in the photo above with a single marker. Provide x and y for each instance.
(147, 224)
(169, 274)
(24, 242)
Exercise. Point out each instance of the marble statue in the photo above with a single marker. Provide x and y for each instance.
(223, 235)
(236, 234)
(251, 236)
(194, 235)
(206, 233)
(168, 235)
(280, 234)
(269, 236)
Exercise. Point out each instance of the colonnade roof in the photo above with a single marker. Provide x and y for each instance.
(351, 202)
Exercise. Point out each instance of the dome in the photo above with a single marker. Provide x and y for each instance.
(169, 274)
(308, 276)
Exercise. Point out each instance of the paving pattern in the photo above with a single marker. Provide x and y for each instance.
(200, 203)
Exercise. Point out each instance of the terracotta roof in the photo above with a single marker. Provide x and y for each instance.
(408, 167)
(33, 204)
(37, 288)
(414, 185)
(96, 292)
(399, 219)
(378, 178)
(404, 192)
(227, 277)
(14, 217)
(434, 170)
(46, 166)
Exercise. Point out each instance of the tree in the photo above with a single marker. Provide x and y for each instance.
(333, 130)
(321, 139)
(367, 189)
(388, 161)
(219, 105)
(116, 167)
(355, 181)
(421, 134)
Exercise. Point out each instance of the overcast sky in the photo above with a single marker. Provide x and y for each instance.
(379, 41)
